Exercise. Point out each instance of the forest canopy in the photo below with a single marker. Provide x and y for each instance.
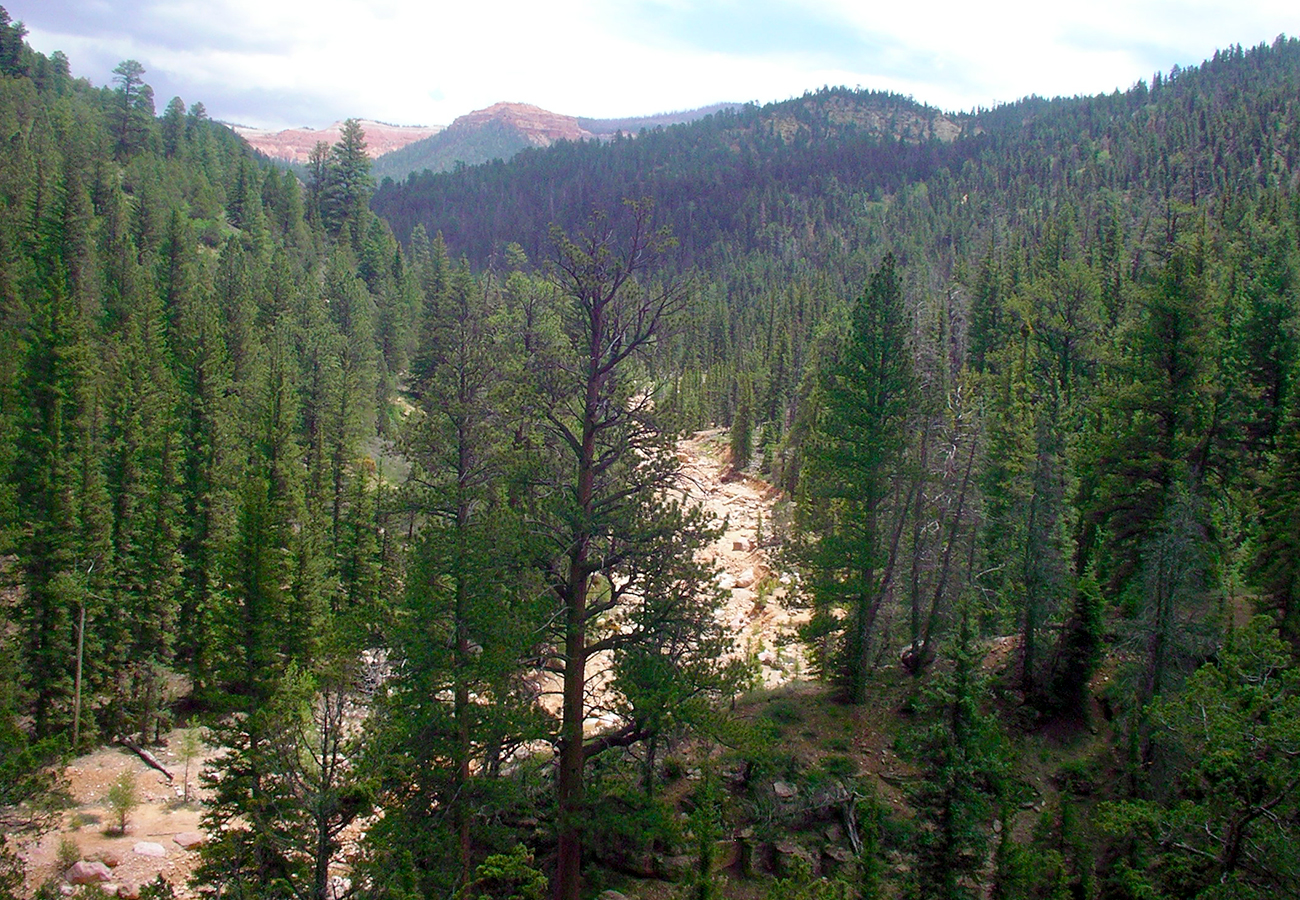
(384, 486)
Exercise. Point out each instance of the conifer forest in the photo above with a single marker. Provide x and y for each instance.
(381, 489)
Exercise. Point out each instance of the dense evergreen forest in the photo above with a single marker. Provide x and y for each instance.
(382, 487)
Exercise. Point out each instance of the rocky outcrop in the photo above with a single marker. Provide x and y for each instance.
(540, 127)
(295, 144)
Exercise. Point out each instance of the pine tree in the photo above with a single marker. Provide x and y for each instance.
(346, 185)
(470, 618)
(285, 791)
(134, 114)
(856, 449)
(1276, 562)
(965, 764)
(618, 546)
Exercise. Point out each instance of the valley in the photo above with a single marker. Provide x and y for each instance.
(837, 498)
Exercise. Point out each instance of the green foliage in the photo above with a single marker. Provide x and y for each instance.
(857, 446)
(1228, 827)
(67, 854)
(158, 889)
(1276, 561)
(965, 765)
(189, 749)
(12, 874)
(801, 885)
(286, 789)
(706, 828)
(742, 427)
(506, 876)
(123, 797)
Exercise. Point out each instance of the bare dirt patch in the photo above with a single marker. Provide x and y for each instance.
(756, 611)
(88, 825)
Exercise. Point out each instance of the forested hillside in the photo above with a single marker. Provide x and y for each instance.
(383, 489)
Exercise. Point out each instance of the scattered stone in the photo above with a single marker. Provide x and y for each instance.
(66, 890)
(190, 840)
(726, 580)
(840, 854)
(783, 791)
(85, 871)
(109, 858)
(149, 848)
(838, 859)
(113, 890)
(784, 855)
(611, 895)
(745, 578)
(129, 891)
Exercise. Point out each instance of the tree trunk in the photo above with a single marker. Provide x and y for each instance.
(569, 789)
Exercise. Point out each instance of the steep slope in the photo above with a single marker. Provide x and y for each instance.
(797, 174)
(718, 176)
(497, 132)
(503, 129)
(294, 145)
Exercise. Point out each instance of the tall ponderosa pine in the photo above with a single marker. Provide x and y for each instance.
(619, 547)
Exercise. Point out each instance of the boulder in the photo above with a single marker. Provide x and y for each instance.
(84, 871)
(110, 858)
(129, 891)
(611, 895)
(190, 840)
(838, 859)
(783, 791)
(788, 858)
(149, 848)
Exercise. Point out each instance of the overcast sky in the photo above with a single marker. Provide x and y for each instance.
(278, 63)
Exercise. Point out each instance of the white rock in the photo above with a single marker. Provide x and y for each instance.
(149, 848)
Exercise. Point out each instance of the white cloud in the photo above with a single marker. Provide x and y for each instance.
(294, 62)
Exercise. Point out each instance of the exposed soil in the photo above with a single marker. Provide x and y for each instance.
(89, 824)
(296, 144)
(756, 611)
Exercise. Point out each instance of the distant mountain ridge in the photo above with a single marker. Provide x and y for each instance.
(294, 145)
(504, 129)
(718, 176)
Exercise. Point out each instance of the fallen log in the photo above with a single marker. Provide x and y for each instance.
(149, 759)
